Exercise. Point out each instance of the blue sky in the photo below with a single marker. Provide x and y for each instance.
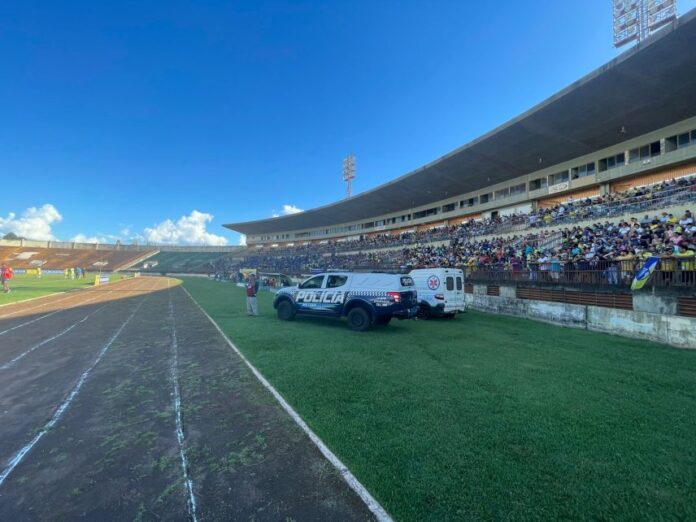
(120, 119)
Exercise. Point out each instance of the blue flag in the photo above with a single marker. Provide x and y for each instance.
(644, 273)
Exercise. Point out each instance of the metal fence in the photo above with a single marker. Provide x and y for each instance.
(671, 272)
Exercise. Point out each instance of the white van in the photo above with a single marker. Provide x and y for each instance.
(440, 291)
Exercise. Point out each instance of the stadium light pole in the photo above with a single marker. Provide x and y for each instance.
(638, 19)
(349, 173)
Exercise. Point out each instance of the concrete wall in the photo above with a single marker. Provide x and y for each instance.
(653, 318)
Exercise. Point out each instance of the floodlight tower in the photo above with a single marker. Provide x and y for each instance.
(349, 173)
(638, 19)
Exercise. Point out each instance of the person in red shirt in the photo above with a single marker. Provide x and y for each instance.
(6, 274)
(252, 288)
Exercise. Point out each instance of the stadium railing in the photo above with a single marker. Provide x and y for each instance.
(671, 272)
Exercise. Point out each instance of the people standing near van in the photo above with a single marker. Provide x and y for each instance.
(252, 288)
(6, 273)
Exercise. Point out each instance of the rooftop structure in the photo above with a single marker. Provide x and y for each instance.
(648, 87)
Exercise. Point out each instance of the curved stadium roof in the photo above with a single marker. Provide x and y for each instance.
(648, 87)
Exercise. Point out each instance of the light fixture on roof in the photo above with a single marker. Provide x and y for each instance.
(349, 173)
(635, 20)
(623, 130)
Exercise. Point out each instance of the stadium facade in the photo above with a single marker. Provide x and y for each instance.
(631, 122)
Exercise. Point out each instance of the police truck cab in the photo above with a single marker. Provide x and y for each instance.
(363, 298)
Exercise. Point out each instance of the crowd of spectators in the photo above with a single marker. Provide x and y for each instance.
(614, 248)
(639, 199)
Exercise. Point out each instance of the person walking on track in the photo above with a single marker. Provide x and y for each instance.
(6, 274)
(252, 289)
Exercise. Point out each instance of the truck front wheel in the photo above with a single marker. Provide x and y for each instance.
(286, 312)
(358, 319)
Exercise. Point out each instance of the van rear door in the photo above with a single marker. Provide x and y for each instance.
(459, 290)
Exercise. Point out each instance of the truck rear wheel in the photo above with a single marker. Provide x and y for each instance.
(424, 311)
(358, 319)
(286, 312)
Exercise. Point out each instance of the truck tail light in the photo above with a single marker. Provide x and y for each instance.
(441, 297)
(394, 296)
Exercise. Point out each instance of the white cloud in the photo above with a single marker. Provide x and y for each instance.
(81, 238)
(99, 238)
(187, 230)
(242, 240)
(291, 209)
(287, 210)
(34, 223)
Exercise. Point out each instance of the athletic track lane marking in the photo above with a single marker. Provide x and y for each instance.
(72, 293)
(375, 507)
(51, 313)
(22, 355)
(176, 395)
(19, 456)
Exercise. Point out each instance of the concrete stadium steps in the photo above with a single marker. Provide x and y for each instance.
(183, 262)
(140, 259)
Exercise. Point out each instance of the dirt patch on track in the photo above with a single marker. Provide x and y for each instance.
(114, 454)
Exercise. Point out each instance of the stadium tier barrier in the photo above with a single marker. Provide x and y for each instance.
(671, 273)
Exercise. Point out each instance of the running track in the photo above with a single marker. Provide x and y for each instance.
(124, 402)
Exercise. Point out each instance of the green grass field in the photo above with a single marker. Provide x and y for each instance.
(485, 416)
(28, 287)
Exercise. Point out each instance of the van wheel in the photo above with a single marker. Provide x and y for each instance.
(358, 319)
(450, 316)
(383, 320)
(424, 312)
(286, 312)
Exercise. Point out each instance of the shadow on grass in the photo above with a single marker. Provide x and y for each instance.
(340, 324)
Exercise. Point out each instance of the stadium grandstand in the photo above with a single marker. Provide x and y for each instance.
(26, 254)
(617, 142)
(55, 255)
(579, 191)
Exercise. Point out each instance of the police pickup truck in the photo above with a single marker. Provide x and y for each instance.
(363, 298)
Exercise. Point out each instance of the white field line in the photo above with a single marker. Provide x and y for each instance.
(52, 313)
(71, 292)
(38, 306)
(33, 298)
(53, 338)
(377, 510)
(39, 345)
(174, 376)
(19, 456)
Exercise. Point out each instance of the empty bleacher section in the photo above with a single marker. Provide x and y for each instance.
(22, 254)
(189, 260)
(183, 262)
